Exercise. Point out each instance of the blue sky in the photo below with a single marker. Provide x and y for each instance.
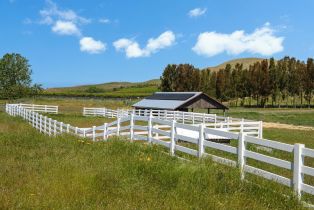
(71, 42)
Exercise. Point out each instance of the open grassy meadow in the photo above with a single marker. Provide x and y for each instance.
(40, 172)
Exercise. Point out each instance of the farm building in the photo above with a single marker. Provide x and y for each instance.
(179, 101)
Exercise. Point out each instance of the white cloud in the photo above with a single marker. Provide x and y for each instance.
(262, 41)
(65, 28)
(197, 12)
(104, 20)
(133, 50)
(90, 45)
(52, 13)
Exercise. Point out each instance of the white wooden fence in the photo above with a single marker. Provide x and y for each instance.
(40, 108)
(249, 127)
(167, 133)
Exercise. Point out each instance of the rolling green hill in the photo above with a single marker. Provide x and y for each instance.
(128, 89)
(245, 61)
(111, 89)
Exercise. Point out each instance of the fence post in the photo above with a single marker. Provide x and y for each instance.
(118, 126)
(55, 127)
(94, 133)
(298, 161)
(45, 108)
(149, 127)
(204, 118)
(46, 125)
(241, 152)
(40, 122)
(105, 131)
(193, 118)
(183, 117)
(260, 130)
(61, 127)
(132, 127)
(241, 125)
(76, 128)
(157, 134)
(172, 139)
(68, 128)
(49, 127)
(201, 141)
(33, 119)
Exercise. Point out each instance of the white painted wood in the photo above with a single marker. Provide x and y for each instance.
(161, 132)
(270, 160)
(201, 140)
(172, 138)
(222, 147)
(298, 162)
(160, 142)
(94, 132)
(186, 150)
(308, 152)
(267, 175)
(269, 143)
(307, 188)
(241, 154)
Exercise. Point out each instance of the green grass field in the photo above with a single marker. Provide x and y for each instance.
(52, 161)
(39, 172)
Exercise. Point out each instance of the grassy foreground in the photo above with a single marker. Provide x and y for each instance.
(38, 172)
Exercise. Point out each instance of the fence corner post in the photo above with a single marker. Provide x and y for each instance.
(241, 154)
(201, 141)
(172, 138)
(298, 161)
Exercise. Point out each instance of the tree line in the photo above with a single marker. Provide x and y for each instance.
(269, 81)
(15, 77)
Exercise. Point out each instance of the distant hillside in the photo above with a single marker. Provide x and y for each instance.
(110, 86)
(245, 61)
(129, 89)
(111, 89)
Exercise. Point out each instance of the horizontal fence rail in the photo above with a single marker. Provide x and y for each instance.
(40, 108)
(170, 134)
(249, 127)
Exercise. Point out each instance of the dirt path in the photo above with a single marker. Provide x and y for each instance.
(287, 126)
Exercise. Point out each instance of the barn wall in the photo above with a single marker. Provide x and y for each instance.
(200, 104)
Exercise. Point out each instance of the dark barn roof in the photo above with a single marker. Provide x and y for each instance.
(179, 101)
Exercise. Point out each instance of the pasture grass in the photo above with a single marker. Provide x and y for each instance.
(39, 172)
(304, 117)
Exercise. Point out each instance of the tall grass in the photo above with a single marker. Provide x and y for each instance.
(39, 172)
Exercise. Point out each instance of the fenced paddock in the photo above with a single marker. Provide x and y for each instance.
(40, 108)
(172, 136)
(249, 127)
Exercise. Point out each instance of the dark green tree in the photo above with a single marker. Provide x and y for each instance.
(15, 76)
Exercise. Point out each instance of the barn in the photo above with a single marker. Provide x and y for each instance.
(179, 101)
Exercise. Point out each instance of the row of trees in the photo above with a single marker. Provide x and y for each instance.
(15, 77)
(265, 80)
